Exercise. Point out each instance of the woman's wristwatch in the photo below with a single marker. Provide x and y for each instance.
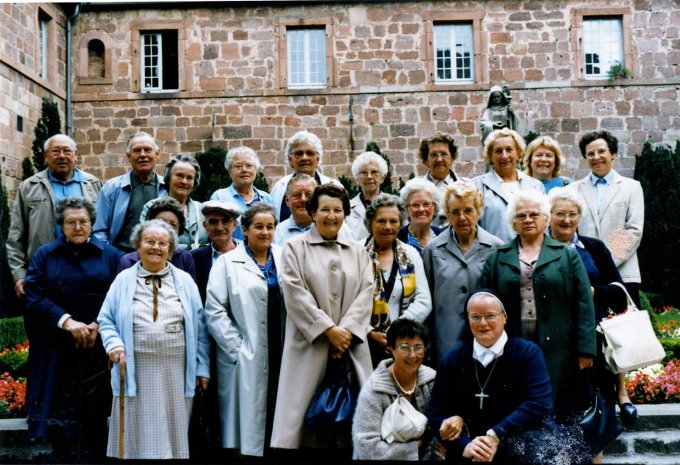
(493, 434)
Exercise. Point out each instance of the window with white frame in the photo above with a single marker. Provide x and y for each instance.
(43, 38)
(453, 53)
(159, 61)
(602, 45)
(306, 57)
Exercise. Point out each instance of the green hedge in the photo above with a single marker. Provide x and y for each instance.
(12, 331)
(672, 348)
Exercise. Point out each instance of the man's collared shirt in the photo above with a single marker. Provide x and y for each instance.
(63, 189)
(601, 185)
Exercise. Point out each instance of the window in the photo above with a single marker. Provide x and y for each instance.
(456, 49)
(601, 38)
(96, 58)
(454, 55)
(159, 65)
(602, 45)
(94, 66)
(306, 57)
(43, 43)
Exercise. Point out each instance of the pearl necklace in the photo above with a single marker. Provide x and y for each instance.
(404, 391)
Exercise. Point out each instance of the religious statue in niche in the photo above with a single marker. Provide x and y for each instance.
(499, 113)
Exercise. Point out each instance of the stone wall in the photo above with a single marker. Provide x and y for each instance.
(21, 85)
(232, 80)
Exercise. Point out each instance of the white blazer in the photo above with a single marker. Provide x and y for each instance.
(619, 225)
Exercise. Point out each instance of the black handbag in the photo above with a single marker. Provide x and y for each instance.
(335, 399)
(599, 423)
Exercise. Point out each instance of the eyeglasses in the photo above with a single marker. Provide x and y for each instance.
(465, 212)
(300, 154)
(73, 223)
(419, 205)
(562, 215)
(57, 152)
(365, 174)
(406, 349)
(160, 244)
(598, 153)
(241, 167)
(489, 317)
(435, 155)
(531, 215)
(299, 195)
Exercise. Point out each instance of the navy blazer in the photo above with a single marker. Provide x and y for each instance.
(203, 261)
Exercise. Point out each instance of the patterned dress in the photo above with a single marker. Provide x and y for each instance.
(157, 418)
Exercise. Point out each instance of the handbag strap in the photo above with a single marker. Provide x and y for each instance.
(630, 301)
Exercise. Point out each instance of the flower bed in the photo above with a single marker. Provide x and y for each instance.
(655, 384)
(13, 363)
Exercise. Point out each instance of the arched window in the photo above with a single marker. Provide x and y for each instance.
(95, 58)
(95, 51)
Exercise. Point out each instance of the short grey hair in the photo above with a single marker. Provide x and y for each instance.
(49, 141)
(560, 193)
(365, 158)
(304, 137)
(138, 232)
(141, 135)
(182, 158)
(300, 178)
(242, 150)
(527, 196)
(75, 203)
(384, 200)
(419, 184)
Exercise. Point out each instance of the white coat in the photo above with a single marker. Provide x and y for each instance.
(355, 220)
(236, 313)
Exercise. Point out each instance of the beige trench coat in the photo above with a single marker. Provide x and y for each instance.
(324, 284)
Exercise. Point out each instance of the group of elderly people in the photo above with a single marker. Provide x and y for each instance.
(268, 294)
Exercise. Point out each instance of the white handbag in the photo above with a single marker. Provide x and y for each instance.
(401, 422)
(629, 341)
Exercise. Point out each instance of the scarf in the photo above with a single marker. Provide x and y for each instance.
(155, 280)
(380, 316)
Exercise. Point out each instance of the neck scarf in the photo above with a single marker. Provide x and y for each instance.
(155, 280)
(380, 317)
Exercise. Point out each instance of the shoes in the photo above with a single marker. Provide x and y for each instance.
(628, 414)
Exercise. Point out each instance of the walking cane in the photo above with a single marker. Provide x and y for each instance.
(121, 422)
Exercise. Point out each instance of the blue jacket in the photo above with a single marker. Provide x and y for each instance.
(56, 274)
(229, 194)
(115, 327)
(112, 204)
(519, 393)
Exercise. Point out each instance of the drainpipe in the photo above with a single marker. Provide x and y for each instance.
(75, 14)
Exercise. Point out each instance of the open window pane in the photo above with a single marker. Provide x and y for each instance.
(602, 45)
(159, 61)
(453, 53)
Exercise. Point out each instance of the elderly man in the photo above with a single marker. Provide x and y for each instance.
(490, 390)
(304, 153)
(299, 191)
(219, 220)
(121, 200)
(614, 209)
(33, 219)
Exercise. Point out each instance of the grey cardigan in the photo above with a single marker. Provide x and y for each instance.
(376, 395)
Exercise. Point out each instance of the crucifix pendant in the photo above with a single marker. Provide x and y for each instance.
(481, 396)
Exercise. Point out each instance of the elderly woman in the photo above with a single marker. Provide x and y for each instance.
(453, 264)
(242, 164)
(421, 198)
(153, 320)
(182, 176)
(68, 380)
(503, 150)
(545, 288)
(328, 287)
(170, 211)
(243, 293)
(369, 170)
(405, 376)
(400, 283)
(543, 160)
(304, 154)
(565, 213)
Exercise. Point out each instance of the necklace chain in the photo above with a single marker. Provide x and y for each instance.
(482, 388)
(404, 391)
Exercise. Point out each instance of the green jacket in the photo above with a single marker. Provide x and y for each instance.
(564, 307)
